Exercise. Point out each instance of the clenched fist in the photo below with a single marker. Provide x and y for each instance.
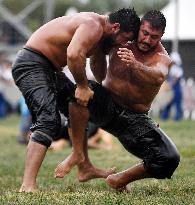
(83, 95)
(126, 56)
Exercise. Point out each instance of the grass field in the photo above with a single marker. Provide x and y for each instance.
(179, 190)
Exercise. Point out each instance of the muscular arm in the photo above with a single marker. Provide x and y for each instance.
(98, 65)
(83, 40)
(153, 74)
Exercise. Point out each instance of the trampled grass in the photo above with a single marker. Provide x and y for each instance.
(179, 190)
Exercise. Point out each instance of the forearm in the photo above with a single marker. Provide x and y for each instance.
(146, 74)
(77, 68)
(99, 69)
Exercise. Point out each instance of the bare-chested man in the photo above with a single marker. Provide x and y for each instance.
(121, 105)
(36, 71)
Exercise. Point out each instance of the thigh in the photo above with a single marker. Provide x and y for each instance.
(130, 129)
(39, 90)
(151, 146)
(35, 77)
(65, 92)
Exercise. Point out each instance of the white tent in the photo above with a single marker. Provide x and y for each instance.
(186, 20)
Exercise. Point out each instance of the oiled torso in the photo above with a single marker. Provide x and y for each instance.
(125, 86)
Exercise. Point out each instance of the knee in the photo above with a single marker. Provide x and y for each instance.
(171, 163)
(55, 128)
(164, 165)
(46, 136)
(41, 138)
(174, 158)
(52, 127)
(46, 131)
(162, 159)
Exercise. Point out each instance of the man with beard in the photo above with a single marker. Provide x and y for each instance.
(66, 40)
(121, 104)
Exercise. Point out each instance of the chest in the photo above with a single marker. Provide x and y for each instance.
(143, 58)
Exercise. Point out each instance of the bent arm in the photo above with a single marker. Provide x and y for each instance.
(98, 65)
(151, 74)
(83, 40)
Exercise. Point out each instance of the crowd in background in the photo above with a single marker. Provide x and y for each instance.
(9, 93)
(176, 98)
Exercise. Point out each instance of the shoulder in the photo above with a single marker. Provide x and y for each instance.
(86, 19)
(94, 24)
(163, 56)
(92, 27)
(90, 19)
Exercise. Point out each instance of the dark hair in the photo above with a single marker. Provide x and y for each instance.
(128, 20)
(156, 19)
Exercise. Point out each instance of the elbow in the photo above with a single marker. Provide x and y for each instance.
(72, 55)
(159, 81)
(160, 78)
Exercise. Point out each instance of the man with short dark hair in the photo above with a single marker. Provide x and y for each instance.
(66, 40)
(120, 106)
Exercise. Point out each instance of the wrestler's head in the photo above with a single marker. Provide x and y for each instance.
(152, 28)
(125, 25)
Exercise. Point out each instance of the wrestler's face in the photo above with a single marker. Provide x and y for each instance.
(119, 37)
(148, 37)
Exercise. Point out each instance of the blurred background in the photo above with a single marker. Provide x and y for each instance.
(176, 100)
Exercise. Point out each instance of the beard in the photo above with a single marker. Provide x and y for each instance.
(144, 47)
(107, 44)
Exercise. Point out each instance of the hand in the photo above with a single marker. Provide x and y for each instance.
(126, 56)
(83, 95)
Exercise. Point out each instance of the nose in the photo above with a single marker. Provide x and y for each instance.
(147, 39)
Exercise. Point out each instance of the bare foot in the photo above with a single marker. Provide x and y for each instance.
(124, 189)
(65, 166)
(113, 182)
(26, 189)
(86, 173)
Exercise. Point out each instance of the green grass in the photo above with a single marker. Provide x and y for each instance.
(179, 190)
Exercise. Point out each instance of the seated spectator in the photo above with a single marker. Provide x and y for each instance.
(98, 138)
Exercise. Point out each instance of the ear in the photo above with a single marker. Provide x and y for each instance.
(116, 27)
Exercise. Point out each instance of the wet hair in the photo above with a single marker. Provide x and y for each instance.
(127, 18)
(156, 19)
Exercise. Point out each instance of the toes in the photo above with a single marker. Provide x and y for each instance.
(58, 176)
(113, 169)
(124, 189)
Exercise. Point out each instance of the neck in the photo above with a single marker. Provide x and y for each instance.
(106, 26)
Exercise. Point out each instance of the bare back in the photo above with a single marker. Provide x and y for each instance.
(53, 38)
(126, 87)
